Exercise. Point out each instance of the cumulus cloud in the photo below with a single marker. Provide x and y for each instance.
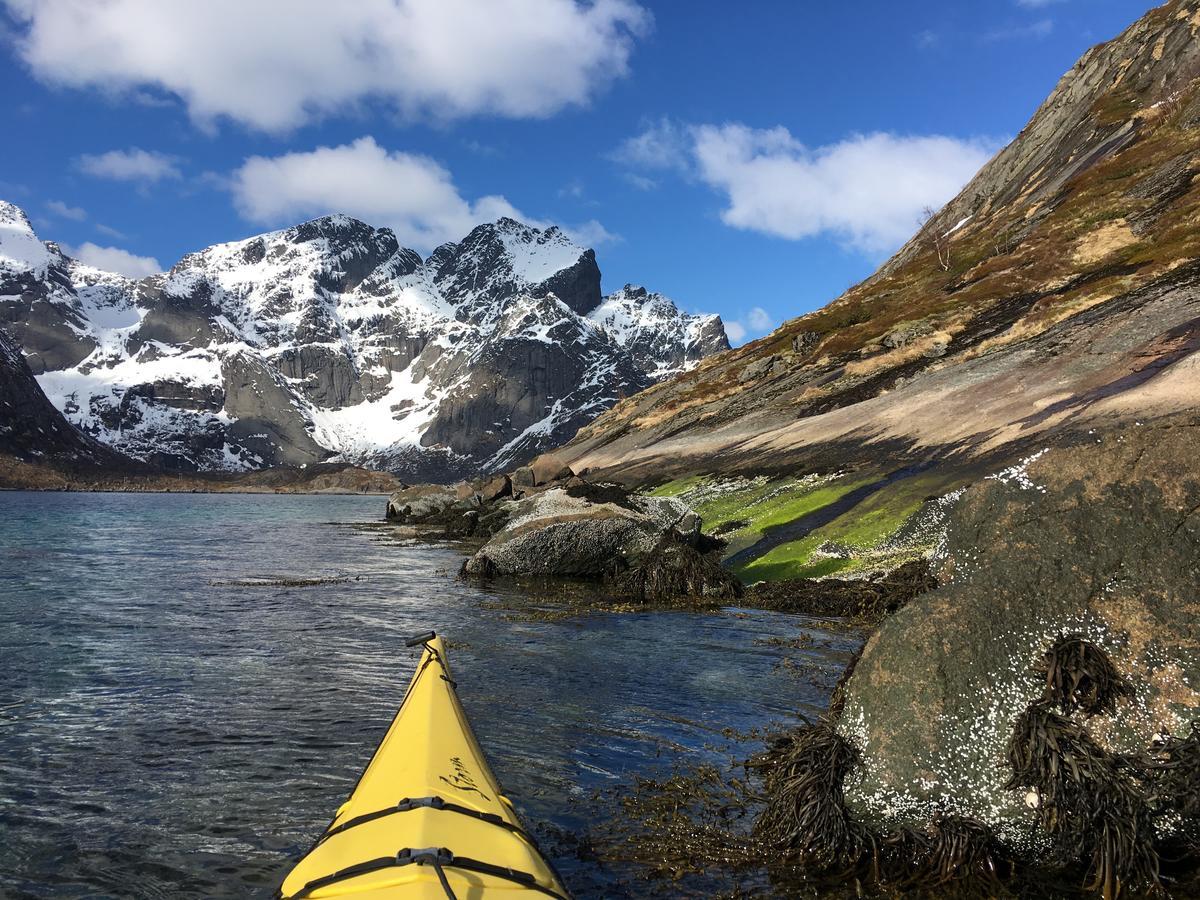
(754, 322)
(134, 164)
(413, 195)
(275, 64)
(63, 211)
(865, 191)
(114, 259)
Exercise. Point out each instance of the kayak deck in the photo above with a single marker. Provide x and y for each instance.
(427, 818)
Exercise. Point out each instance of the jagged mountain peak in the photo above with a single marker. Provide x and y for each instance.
(20, 248)
(328, 339)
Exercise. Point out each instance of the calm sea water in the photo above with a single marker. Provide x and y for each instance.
(167, 730)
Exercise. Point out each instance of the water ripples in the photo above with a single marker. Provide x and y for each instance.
(165, 732)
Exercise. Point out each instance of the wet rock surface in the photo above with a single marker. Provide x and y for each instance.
(637, 547)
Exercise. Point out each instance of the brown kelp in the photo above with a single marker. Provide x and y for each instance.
(1079, 675)
(805, 815)
(1088, 800)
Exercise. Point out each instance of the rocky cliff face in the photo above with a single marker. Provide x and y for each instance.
(1060, 290)
(330, 341)
(32, 430)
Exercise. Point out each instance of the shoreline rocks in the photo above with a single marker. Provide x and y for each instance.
(638, 547)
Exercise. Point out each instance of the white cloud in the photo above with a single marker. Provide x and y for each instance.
(865, 191)
(927, 39)
(411, 194)
(641, 182)
(587, 234)
(754, 322)
(114, 259)
(109, 231)
(275, 64)
(134, 164)
(759, 320)
(664, 144)
(1037, 4)
(62, 210)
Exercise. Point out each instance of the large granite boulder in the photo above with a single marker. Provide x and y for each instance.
(555, 533)
(1045, 687)
(646, 547)
(418, 503)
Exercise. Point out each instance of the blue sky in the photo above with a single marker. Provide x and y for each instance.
(750, 159)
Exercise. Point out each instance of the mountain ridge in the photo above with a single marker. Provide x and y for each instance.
(328, 341)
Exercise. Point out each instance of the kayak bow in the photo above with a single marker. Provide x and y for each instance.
(427, 818)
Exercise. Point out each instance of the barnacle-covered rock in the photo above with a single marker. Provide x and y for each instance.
(1070, 588)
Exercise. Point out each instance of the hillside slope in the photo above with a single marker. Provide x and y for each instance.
(1057, 294)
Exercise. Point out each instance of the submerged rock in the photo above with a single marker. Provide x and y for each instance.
(1033, 690)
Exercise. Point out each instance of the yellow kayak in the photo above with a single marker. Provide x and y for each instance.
(427, 818)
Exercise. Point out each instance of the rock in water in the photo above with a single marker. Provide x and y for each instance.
(1083, 562)
(554, 533)
(602, 532)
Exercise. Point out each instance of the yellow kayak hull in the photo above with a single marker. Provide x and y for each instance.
(427, 818)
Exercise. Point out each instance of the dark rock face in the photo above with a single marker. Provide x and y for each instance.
(31, 429)
(577, 286)
(328, 341)
(1096, 544)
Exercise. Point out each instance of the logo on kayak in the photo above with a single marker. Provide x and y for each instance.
(461, 778)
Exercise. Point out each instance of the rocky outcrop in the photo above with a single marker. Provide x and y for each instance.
(648, 548)
(1039, 706)
(637, 547)
(329, 341)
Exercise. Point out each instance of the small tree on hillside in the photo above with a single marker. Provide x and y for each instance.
(936, 238)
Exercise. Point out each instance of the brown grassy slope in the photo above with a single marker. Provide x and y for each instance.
(1069, 300)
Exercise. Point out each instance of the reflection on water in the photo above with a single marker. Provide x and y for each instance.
(191, 684)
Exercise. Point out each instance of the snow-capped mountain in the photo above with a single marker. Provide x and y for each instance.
(330, 341)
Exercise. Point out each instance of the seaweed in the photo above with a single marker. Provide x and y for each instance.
(674, 569)
(671, 824)
(1171, 771)
(805, 817)
(952, 851)
(1080, 676)
(1088, 800)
